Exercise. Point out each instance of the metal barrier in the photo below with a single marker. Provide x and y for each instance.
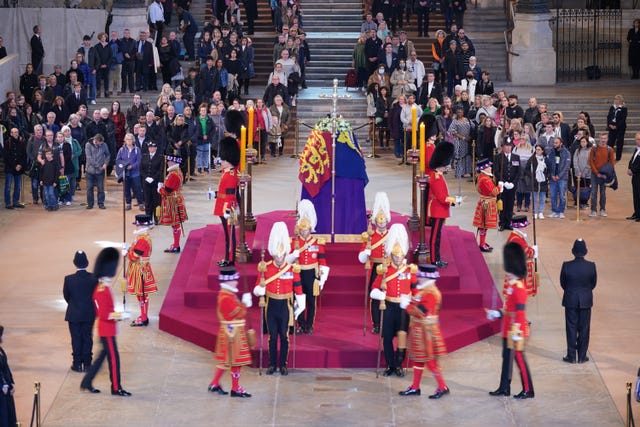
(35, 410)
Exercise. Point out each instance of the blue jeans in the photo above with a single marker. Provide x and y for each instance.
(597, 186)
(49, 196)
(35, 190)
(538, 201)
(132, 183)
(95, 180)
(91, 87)
(558, 196)
(16, 180)
(202, 156)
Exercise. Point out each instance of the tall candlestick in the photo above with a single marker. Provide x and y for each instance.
(423, 149)
(243, 148)
(414, 129)
(251, 128)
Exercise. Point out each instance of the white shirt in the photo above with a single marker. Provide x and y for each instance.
(417, 68)
(156, 12)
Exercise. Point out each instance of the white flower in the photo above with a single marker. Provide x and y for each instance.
(326, 125)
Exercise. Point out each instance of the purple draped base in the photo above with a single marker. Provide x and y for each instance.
(350, 212)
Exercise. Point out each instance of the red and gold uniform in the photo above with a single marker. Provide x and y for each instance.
(375, 241)
(395, 281)
(140, 279)
(232, 346)
(311, 257)
(486, 214)
(281, 284)
(174, 212)
(227, 204)
(437, 210)
(425, 337)
(530, 282)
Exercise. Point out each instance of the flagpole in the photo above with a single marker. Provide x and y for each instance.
(334, 130)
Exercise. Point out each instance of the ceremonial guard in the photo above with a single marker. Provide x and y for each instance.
(140, 280)
(425, 338)
(233, 343)
(439, 199)
(515, 327)
(105, 270)
(372, 249)
(174, 213)
(393, 288)
(518, 235)
(226, 206)
(279, 281)
(78, 293)
(151, 171)
(309, 253)
(486, 214)
(507, 174)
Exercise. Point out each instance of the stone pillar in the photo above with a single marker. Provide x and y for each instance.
(532, 40)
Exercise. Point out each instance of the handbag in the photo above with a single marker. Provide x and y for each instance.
(63, 185)
(411, 87)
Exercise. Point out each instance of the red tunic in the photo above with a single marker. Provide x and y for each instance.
(281, 284)
(311, 252)
(486, 214)
(103, 302)
(425, 337)
(376, 246)
(140, 279)
(398, 280)
(226, 196)
(437, 206)
(429, 149)
(173, 209)
(232, 347)
(514, 308)
(530, 282)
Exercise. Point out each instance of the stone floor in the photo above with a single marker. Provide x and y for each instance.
(168, 377)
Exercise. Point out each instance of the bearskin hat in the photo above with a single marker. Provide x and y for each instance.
(515, 260)
(230, 150)
(233, 121)
(106, 263)
(442, 155)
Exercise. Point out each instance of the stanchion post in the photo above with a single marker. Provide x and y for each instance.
(297, 136)
(413, 157)
(250, 221)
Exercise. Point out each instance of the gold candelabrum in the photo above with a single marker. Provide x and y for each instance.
(243, 254)
(421, 254)
(413, 158)
(250, 221)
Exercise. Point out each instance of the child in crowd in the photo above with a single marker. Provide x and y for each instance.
(49, 181)
(275, 136)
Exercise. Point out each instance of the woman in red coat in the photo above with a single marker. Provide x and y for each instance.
(439, 199)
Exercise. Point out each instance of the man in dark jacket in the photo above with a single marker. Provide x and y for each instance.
(506, 172)
(128, 48)
(37, 50)
(274, 89)
(144, 64)
(77, 291)
(578, 279)
(151, 172)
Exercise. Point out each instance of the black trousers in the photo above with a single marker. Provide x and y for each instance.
(110, 352)
(278, 328)
(127, 76)
(151, 198)
(375, 304)
(508, 357)
(577, 325)
(229, 240)
(423, 21)
(81, 343)
(308, 316)
(616, 140)
(434, 239)
(395, 320)
(508, 198)
(635, 189)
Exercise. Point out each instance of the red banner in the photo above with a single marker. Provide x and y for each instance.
(315, 162)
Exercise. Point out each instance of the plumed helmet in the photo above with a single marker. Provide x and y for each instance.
(442, 155)
(233, 121)
(106, 263)
(515, 260)
(397, 241)
(279, 240)
(307, 218)
(381, 208)
(230, 150)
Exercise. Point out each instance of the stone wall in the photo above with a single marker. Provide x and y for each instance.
(9, 70)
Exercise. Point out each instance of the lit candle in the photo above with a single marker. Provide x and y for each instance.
(243, 148)
(251, 129)
(414, 128)
(423, 150)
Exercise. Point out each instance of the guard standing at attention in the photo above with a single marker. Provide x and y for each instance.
(279, 281)
(174, 212)
(518, 235)
(393, 288)
(486, 214)
(372, 250)
(226, 206)
(309, 252)
(140, 279)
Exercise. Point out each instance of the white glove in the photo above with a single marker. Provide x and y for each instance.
(501, 186)
(516, 337)
(160, 185)
(377, 294)
(125, 251)
(508, 185)
(324, 275)
(226, 215)
(149, 180)
(291, 258)
(458, 200)
(260, 291)
(246, 300)
(535, 251)
(301, 304)
(493, 315)
(405, 300)
(364, 256)
(124, 315)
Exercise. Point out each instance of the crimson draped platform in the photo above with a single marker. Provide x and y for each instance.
(189, 308)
